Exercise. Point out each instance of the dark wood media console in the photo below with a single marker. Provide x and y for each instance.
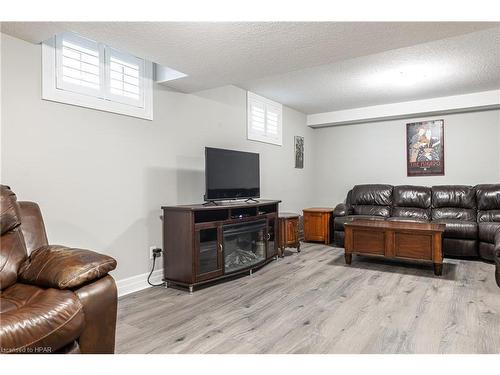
(204, 243)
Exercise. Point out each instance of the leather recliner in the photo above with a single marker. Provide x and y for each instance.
(488, 218)
(471, 214)
(369, 202)
(455, 206)
(56, 299)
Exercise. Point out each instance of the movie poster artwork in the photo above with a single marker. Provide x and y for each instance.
(425, 148)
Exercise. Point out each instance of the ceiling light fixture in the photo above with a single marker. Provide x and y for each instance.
(408, 76)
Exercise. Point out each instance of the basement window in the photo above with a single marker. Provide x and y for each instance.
(264, 122)
(86, 73)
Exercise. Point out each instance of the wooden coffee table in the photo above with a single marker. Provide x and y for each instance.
(395, 239)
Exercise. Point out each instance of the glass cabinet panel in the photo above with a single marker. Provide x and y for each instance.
(271, 246)
(208, 251)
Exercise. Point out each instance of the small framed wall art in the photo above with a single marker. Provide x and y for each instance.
(299, 151)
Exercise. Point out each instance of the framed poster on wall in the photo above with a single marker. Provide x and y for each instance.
(425, 148)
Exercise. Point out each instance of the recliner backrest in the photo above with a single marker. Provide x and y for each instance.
(371, 199)
(12, 245)
(454, 202)
(488, 202)
(412, 201)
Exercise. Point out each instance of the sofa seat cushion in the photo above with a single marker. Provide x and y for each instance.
(487, 231)
(37, 320)
(339, 222)
(407, 218)
(459, 228)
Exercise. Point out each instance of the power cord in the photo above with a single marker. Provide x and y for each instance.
(156, 254)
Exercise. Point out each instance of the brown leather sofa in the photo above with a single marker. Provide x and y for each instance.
(56, 299)
(471, 214)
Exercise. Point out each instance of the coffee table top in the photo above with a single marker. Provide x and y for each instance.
(318, 209)
(397, 225)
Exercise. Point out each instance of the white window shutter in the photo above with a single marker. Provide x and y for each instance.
(257, 118)
(124, 73)
(273, 118)
(86, 73)
(264, 120)
(78, 64)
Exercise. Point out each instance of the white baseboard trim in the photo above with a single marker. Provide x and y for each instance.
(138, 282)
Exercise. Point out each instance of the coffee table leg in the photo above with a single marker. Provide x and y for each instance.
(348, 258)
(438, 269)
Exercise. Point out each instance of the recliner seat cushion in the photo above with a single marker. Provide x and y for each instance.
(38, 320)
(407, 218)
(412, 201)
(459, 229)
(412, 212)
(339, 222)
(488, 202)
(456, 202)
(487, 231)
(372, 200)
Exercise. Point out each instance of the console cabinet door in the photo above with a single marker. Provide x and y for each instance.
(272, 236)
(208, 252)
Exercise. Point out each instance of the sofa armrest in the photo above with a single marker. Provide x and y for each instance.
(340, 210)
(61, 267)
(497, 247)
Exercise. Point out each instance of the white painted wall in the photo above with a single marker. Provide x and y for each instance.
(100, 178)
(376, 153)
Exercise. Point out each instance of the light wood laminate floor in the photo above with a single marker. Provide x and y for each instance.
(312, 302)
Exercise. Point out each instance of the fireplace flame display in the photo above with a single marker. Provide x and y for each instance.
(244, 245)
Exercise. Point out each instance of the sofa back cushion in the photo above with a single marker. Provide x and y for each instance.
(12, 246)
(412, 201)
(373, 200)
(454, 202)
(488, 202)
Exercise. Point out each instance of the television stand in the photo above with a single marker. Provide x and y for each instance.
(250, 200)
(208, 203)
(204, 243)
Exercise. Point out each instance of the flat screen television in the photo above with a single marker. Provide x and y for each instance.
(231, 174)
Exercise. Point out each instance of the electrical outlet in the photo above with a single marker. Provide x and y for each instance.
(152, 251)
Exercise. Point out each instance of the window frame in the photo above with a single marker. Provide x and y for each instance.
(267, 104)
(94, 99)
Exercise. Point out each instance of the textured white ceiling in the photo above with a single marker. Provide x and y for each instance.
(452, 66)
(274, 59)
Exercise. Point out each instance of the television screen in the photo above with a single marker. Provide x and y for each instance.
(231, 174)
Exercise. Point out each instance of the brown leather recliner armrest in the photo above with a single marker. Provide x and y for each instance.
(61, 267)
(340, 210)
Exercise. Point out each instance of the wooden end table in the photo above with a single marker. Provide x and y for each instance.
(395, 239)
(288, 232)
(317, 224)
